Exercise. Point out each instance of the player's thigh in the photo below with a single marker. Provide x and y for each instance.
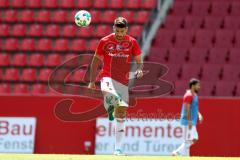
(120, 112)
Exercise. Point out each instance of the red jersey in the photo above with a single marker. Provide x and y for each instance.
(117, 56)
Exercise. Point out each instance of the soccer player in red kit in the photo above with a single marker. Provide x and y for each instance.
(116, 51)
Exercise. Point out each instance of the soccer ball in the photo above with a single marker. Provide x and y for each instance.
(82, 18)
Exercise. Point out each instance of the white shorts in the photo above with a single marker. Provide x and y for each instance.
(190, 134)
(114, 93)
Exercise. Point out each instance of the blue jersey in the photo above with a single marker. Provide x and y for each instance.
(191, 99)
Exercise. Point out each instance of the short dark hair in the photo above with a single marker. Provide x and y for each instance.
(193, 81)
(120, 22)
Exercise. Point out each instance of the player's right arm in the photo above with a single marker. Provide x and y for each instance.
(93, 70)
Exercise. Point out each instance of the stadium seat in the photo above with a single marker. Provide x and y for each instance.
(237, 39)
(78, 45)
(4, 3)
(149, 4)
(36, 60)
(103, 30)
(59, 16)
(231, 23)
(26, 16)
(4, 59)
(234, 56)
(61, 75)
(189, 71)
(67, 4)
(83, 4)
(180, 7)
(85, 32)
(95, 16)
(213, 22)
(224, 89)
(71, 15)
(224, 38)
(173, 72)
(231, 73)
(11, 74)
(177, 55)
(109, 16)
(238, 89)
(52, 30)
(29, 75)
(19, 30)
(220, 8)
(43, 16)
(78, 75)
(207, 88)
(129, 15)
(69, 58)
(44, 45)
(211, 72)
(53, 60)
(28, 44)
(38, 89)
(18, 3)
(35, 30)
(158, 54)
(93, 44)
(56, 89)
(173, 22)
(136, 30)
(10, 16)
(204, 38)
(235, 8)
(184, 38)
(61, 45)
(69, 31)
(217, 55)
(193, 22)
(164, 38)
(142, 17)
(19, 59)
(11, 44)
(116, 4)
(34, 4)
(50, 4)
(200, 8)
(44, 74)
(4, 30)
(133, 4)
(100, 4)
(180, 87)
(5, 88)
(21, 89)
(197, 56)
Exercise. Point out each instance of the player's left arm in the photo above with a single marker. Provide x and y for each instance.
(200, 117)
(139, 62)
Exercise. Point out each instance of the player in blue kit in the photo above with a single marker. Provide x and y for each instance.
(189, 117)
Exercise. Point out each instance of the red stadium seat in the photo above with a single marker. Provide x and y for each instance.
(197, 56)
(19, 30)
(189, 71)
(70, 61)
(44, 75)
(234, 56)
(193, 22)
(237, 38)
(129, 15)
(11, 44)
(11, 74)
(142, 17)
(136, 30)
(85, 32)
(10, 16)
(184, 38)
(95, 16)
(224, 89)
(164, 38)
(35, 30)
(78, 75)
(231, 23)
(18, 3)
(102, 30)
(207, 88)
(43, 16)
(4, 3)
(204, 39)
(61, 75)
(116, 4)
(53, 60)
(36, 60)
(211, 72)
(67, 4)
(50, 4)
(21, 89)
(26, 16)
(19, 59)
(5, 88)
(61, 45)
(93, 44)
(4, 30)
(59, 16)
(69, 31)
(29, 75)
(218, 55)
(173, 22)
(1, 75)
(102, 4)
(71, 15)
(133, 4)
(213, 22)
(149, 4)
(34, 4)
(231, 73)
(180, 7)
(39, 89)
(109, 16)
(173, 72)
(4, 59)
(180, 87)
(177, 55)
(52, 30)
(158, 54)
(83, 4)
(201, 8)
(28, 45)
(220, 8)
(224, 39)
(44, 45)
(238, 89)
(235, 8)
(78, 45)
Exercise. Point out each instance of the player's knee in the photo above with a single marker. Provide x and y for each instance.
(120, 112)
(194, 141)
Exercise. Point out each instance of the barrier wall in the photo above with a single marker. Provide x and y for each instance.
(219, 134)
